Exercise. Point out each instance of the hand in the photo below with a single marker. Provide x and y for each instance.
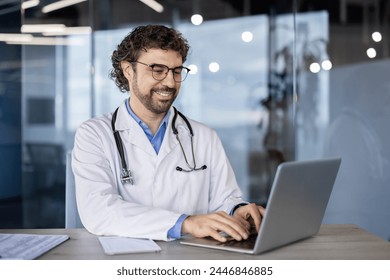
(251, 213)
(215, 223)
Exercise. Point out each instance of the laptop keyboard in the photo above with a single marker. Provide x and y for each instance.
(244, 244)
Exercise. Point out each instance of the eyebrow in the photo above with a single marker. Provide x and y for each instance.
(151, 64)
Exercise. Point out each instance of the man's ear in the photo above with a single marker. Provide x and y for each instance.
(127, 69)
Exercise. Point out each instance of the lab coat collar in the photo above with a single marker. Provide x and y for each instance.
(123, 120)
(131, 132)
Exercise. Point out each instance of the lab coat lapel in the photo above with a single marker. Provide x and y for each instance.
(131, 131)
(170, 142)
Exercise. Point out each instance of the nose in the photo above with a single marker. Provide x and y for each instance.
(169, 80)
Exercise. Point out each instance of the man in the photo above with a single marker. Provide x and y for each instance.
(156, 189)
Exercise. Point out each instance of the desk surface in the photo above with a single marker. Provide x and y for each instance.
(332, 242)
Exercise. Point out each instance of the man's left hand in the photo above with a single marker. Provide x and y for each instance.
(252, 213)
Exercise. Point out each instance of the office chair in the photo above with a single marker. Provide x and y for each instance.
(72, 218)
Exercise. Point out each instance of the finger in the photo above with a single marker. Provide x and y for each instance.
(217, 236)
(255, 215)
(261, 210)
(236, 231)
(236, 228)
(213, 224)
(243, 222)
(262, 213)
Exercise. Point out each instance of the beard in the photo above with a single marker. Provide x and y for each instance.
(155, 105)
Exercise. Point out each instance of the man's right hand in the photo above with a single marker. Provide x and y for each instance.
(215, 223)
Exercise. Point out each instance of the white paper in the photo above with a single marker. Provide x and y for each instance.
(124, 245)
(27, 246)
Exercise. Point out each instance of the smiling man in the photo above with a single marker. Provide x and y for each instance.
(146, 170)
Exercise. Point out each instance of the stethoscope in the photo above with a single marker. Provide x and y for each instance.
(126, 174)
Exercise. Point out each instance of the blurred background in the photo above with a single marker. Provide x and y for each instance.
(278, 80)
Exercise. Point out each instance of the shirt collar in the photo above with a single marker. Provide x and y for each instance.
(140, 122)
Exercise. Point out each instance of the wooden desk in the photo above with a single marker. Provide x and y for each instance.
(333, 242)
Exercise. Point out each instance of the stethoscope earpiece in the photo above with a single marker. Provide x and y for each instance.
(203, 167)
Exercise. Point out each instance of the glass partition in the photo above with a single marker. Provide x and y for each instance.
(56, 96)
(10, 120)
(343, 100)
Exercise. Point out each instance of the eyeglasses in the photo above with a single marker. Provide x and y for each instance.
(160, 71)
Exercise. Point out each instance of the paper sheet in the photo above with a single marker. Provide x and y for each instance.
(124, 245)
(27, 246)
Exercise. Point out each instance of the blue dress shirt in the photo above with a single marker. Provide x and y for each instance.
(157, 139)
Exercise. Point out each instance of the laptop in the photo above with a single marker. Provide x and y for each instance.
(299, 196)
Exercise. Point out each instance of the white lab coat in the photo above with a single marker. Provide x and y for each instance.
(151, 206)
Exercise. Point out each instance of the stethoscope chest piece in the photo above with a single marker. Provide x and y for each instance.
(127, 176)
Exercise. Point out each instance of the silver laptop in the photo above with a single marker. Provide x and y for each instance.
(295, 208)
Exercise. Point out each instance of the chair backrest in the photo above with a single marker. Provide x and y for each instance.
(72, 218)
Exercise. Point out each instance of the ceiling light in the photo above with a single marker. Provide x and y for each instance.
(153, 5)
(29, 4)
(247, 36)
(37, 41)
(371, 53)
(41, 28)
(77, 30)
(326, 64)
(194, 69)
(377, 36)
(45, 41)
(214, 67)
(196, 19)
(15, 37)
(315, 67)
(59, 5)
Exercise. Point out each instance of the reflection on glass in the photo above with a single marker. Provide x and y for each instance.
(358, 132)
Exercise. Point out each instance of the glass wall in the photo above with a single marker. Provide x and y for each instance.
(10, 120)
(345, 111)
(278, 81)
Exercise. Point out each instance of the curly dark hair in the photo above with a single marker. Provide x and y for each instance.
(144, 38)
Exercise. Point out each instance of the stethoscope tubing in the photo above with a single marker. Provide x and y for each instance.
(126, 174)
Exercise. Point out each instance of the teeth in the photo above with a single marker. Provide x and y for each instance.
(165, 94)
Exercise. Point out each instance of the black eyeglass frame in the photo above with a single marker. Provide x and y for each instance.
(167, 70)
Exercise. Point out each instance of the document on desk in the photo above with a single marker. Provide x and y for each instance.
(27, 246)
(125, 245)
